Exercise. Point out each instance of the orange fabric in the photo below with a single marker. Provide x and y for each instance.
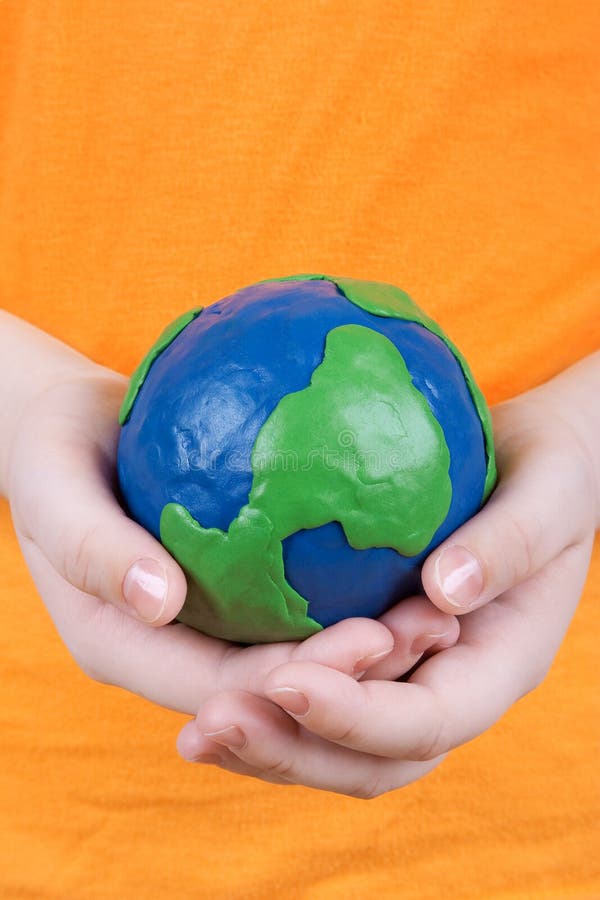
(159, 155)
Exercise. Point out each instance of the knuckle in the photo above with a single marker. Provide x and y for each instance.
(284, 768)
(346, 734)
(523, 533)
(88, 651)
(431, 744)
(349, 729)
(369, 789)
(78, 561)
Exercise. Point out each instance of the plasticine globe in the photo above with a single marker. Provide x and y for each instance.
(300, 447)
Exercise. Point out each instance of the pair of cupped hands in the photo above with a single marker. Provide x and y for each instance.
(364, 706)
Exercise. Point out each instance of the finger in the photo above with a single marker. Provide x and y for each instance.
(364, 648)
(383, 718)
(419, 628)
(90, 541)
(193, 747)
(505, 650)
(523, 526)
(351, 646)
(263, 738)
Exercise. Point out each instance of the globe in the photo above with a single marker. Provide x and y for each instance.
(300, 447)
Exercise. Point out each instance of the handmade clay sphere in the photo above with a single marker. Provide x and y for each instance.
(300, 447)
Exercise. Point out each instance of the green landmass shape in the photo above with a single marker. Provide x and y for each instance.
(359, 445)
(236, 583)
(382, 299)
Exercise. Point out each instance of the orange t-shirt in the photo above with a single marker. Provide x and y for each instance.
(155, 156)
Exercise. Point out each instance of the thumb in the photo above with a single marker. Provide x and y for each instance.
(535, 512)
(83, 532)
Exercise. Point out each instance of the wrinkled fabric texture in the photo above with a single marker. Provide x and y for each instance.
(157, 156)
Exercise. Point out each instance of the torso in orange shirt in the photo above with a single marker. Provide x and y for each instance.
(159, 156)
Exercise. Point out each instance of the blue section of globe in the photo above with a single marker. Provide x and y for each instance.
(190, 434)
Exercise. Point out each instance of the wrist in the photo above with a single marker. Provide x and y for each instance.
(573, 400)
(32, 363)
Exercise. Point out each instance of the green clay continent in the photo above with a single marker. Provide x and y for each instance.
(360, 446)
(236, 585)
(381, 299)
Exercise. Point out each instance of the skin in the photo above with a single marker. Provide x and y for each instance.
(365, 732)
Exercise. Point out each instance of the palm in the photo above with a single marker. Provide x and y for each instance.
(174, 666)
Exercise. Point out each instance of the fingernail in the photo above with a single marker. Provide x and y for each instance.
(210, 759)
(459, 576)
(425, 641)
(365, 662)
(232, 736)
(145, 589)
(291, 700)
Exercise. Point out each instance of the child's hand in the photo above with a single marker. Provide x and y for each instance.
(532, 543)
(107, 583)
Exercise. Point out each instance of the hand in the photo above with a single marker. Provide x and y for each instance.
(108, 584)
(517, 568)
